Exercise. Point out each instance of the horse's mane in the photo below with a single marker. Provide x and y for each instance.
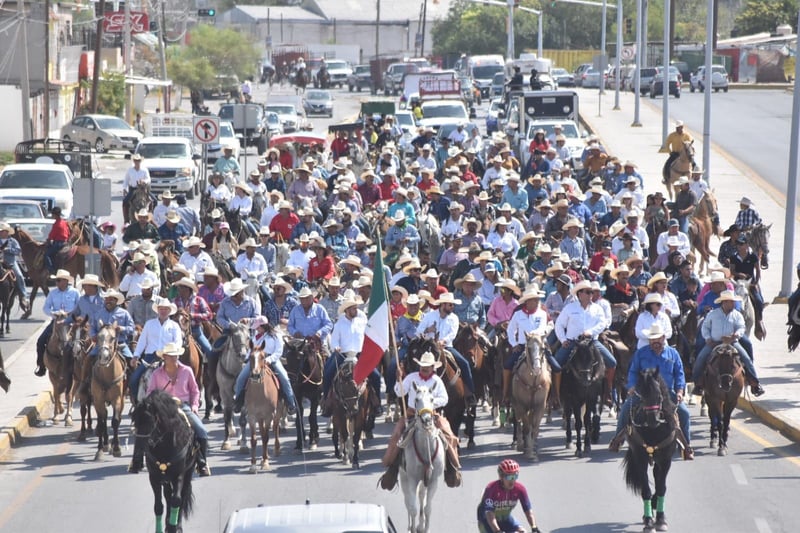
(25, 236)
(166, 411)
(650, 382)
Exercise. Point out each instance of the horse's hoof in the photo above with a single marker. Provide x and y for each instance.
(68, 422)
(206, 419)
(712, 443)
(226, 446)
(265, 467)
(568, 446)
(252, 469)
(338, 455)
(579, 454)
(722, 451)
(313, 446)
(107, 448)
(98, 456)
(82, 437)
(117, 452)
(470, 444)
(661, 523)
(356, 466)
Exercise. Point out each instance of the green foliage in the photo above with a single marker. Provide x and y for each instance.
(212, 51)
(764, 15)
(110, 93)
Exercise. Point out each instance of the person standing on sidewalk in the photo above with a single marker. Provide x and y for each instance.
(674, 143)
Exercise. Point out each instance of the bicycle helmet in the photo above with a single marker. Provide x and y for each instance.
(508, 466)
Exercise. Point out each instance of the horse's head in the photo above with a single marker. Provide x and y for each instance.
(586, 364)
(418, 346)
(759, 239)
(656, 406)
(347, 390)
(688, 149)
(534, 349)
(144, 418)
(106, 343)
(726, 365)
(423, 403)
(239, 339)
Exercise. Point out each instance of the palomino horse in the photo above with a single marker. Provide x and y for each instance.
(262, 404)
(702, 226)
(529, 389)
(170, 456)
(352, 414)
(581, 391)
(681, 166)
(472, 343)
(304, 365)
(724, 381)
(423, 462)
(108, 374)
(59, 368)
(232, 357)
(652, 437)
(8, 291)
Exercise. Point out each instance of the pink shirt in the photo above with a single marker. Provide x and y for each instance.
(500, 311)
(707, 287)
(184, 387)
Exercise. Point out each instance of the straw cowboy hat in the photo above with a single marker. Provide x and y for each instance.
(621, 269)
(113, 293)
(351, 260)
(530, 293)
(658, 276)
(172, 349)
(473, 220)
(244, 188)
(7, 227)
(305, 292)
(717, 277)
(163, 302)
(653, 298)
(148, 283)
(412, 265)
(655, 331)
(447, 298)
(362, 281)
(348, 303)
(556, 267)
(468, 278)
(193, 241)
(401, 290)
(427, 360)
(208, 271)
(334, 282)
(399, 216)
(173, 216)
(280, 282)
(233, 287)
(509, 284)
(142, 213)
(90, 279)
(431, 274)
(531, 235)
(727, 296)
(62, 274)
(572, 223)
(581, 285)
(186, 282)
(167, 195)
(635, 258)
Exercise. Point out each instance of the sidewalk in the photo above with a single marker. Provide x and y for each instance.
(730, 180)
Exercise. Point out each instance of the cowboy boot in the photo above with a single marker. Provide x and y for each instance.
(755, 387)
(238, 402)
(609, 386)
(388, 480)
(40, 368)
(506, 387)
(202, 451)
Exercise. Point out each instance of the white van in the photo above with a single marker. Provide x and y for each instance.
(316, 518)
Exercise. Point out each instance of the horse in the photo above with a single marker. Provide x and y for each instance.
(5, 381)
(231, 359)
(758, 239)
(742, 289)
(529, 389)
(430, 234)
(108, 374)
(191, 352)
(497, 356)
(704, 224)
(304, 364)
(581, 391)
(141, 198)
(222, 266)
(212, 331)
(423, 462)
(680, 167)
(58, 362)
(81, 376)
(724, 381)
(652, 438)
(170, 456)
(300, 81)
(8, 291)
(352, 413)
(262, 405)
(472, 343)
(169, 258)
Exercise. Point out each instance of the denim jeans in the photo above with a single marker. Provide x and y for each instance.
(52, 249)
(41, 343)
(329, 373)
(562, 356)
(202, 341)
(280, 372)
(702, 358)
(466, 370)
(194, 421)
(20, 280)
(684, 418)
(516, 353)
(391, 369)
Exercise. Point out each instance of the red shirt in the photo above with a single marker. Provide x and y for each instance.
(387, 188)
(286, 159)
(469, 176)
(321, 268)
(284, 225)
(435, 294)
(370, 194)
(397, 309)
(59, 231)
(340, 147)
(598, 260)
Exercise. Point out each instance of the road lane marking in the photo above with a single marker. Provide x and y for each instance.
(762, 526)
(738, 474)
(774, 448)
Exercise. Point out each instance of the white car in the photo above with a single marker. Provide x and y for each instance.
(438, 112)
(172, 163)
(50, 185)
(719, 79)
(226, 138)
(339, 71)
(287, 113)
(569, 129)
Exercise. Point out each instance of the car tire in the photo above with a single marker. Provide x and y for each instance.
(691, 88)
(725, 89)
(716, 89)
(99, 146)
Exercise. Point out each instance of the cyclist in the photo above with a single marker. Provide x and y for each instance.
(499, 499)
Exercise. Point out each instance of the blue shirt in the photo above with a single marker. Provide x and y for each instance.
(535, 195)
(581, 212)
(301, 229)
(308, 325)
(338, 243)
(470, 310)
(11, 250)
(405, 207)
(275, 314)
(668, 363)
(59, 300)
(407, 232)
(176, 234)
(598, 208)
(708, 303)
(118, 315)
(87, 306)
(229, 312)
(440, 208)
(518, 200)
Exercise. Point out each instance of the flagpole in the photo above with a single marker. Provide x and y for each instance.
(393, 346)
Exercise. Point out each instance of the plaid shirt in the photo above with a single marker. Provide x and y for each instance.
(197, 308)
(747, 218)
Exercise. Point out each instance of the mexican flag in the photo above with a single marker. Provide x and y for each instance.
(376, 338)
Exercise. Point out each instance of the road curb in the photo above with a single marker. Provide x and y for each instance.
(783, 425)
(26, 419)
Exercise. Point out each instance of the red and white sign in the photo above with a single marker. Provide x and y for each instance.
(114, 22)
(439, 86)
(206, 129)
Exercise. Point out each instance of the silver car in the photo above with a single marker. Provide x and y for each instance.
(102, 132)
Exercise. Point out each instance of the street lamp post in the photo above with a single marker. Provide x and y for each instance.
(637, 79)
(665, 80)
(707, 99)
(617, 74)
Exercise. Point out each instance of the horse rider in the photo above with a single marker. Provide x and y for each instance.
(724, 325)
(685, 203)
(347, 341)
(309, 320)
(581, 319)
(190, 218)
(227, 163)
(56, 239)
(674, 144)
(135, 176)
(656, 354)
(195, 259)
(424, 377)
(242, 201)
(9, 246)
(112, 313)
(442, 325)
(499, 499)
(744, 266)
(141, 229)
(140, 306)
(198, 310)
(59, 303)
(673, 230)
(405, 331)
(178, 381)
(90, 302)
(528, 319)
(471, 309)
(160, 211)
(268, 340)
(131, 284)
(653, 314)
(172, 229)
(156, 334)
(235, 308)
(747, 217)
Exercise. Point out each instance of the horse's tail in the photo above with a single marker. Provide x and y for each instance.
(633, 475)
(187, 497)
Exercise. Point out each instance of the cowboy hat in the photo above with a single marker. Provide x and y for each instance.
(509, 284)
(468, 278)
(163, 302)
(113, 293)
(244, 188)
(351, 260)
(303, 168)
(412, 265)
(473, 220)
(658, 276)
(335, 281)
(167, 195)
(233, 287)
(305, 292)
(435, 190)
(727, 296)
(142, 213)
(597, 287)
(530, 236)
(635, 258)
(348, 303)
(180, 269)
(186, 282)
(581, 285)
(280, 282)
(544, 249)
(746, 201)
(535, 177)
(259, 321)
(653, 298)
(532, 291)
(427, 360)
(485, 256)
(173, 216)
(557, 266)
(717, 276)
(90, 279)
(401, 290)
(447, 298)
(362, 281)
(431, 273)
(193, 241)
(136, 157)
(561, 203)
(483, 195)
(208, 271)
(172, 349)
(572, 223)
(399, 216)
(683, 180)
(655, 331)
(284, 204)
(622, 269)
(332, 223)
(62, 274)
(413, 299)
(615, 228)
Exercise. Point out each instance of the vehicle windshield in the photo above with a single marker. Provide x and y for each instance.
(112, 123)
(282, 109)
(486, 72)
(226, 112)
(8, 211)
(446, 129)
(404, 119)
(34, 179)
(496, 106)
(444, 111)
(273, 118)
(38, 231)
(336, 65)
(567, 130)
(225, 130)
(163, 151)
(362, 69)
(718, 68)
(318, 95)
(648, 72)
(499, 79)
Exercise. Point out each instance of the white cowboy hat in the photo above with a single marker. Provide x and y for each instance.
(655, 331)
(508, 283)
(148, 283)
(351, 260)
(90, 279)
(163, 302)
(362, 281)
(399, 216)
(572, 223)
(683, 180)
(62, 274)
(305, 292)
(173, 216)
(717, 276)
(413, 299)
(208, 271)
(532, 291)
(249, 243)
(193, 241)
(447, 298)
(653, 298)
(746, 201)
(142, 213)
(234, 286)
(244, 188)
(401, 290)
(6, 227)
(427, 359)
(186, 282)
(431, 273)
(280, 282)
(113, 293)
(658, 276)
(171, 348)
(167, 195)
(557, 266)
(727, 296)
(348, 303)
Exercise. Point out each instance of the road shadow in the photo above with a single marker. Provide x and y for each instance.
(595, 528)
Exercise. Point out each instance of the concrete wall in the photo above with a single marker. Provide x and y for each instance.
(11, 133)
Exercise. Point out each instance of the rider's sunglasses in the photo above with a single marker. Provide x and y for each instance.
(510, 477)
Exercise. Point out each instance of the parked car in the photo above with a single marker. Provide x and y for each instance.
(719, 79)
(318, 102)
(624, 73)
(592, 78)
(657, 84)
(498, 84)
(361, 78)
(495, 107)
(563, 77)
(227, 137)
(101, 132)
(172, 164)
(579, 73)
(11, 209)
(48, 184)
(646, 77)
(287, 113)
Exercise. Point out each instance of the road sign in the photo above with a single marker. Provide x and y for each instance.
(206, 129)
(627, 53)
(92, 197)
(114, 22)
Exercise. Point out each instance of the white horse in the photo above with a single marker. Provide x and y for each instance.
(423, 462)
(430, 232)
(742, 290)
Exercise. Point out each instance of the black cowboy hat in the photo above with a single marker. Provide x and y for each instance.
(727, 232)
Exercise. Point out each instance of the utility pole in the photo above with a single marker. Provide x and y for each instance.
(424, 23)
(637, 78)
(665, 80)
(46, 68)
(126, 59)
(24, 79)
(377, 29)
(163, 51)
(619, 55)
(98, 44)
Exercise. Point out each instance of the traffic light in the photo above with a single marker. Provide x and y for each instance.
(207, 12)
(628, 25)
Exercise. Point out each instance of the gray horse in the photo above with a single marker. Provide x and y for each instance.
(231, 359)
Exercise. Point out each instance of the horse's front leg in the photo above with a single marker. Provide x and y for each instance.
(115, 421)
(299, 426)
(660, 471)
(174, 503)
(579, 415)
(313, 433)
(158, 505)
(568, 421)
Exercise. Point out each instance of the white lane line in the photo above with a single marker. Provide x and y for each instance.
(762, 526)
(738, 474)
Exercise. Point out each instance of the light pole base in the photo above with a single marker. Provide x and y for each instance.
(616, 108)
(636, 125)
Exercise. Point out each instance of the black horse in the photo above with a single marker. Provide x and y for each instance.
(581, 391)
(652, 439)
(170, 456)
(304, 366)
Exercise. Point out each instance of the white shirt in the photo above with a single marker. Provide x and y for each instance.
(156, 335)
(272, 346)
(196, 265)
(299, 258)
(605, 305)
(646, 320)
(133, 177)
(160, 213)
(698, 187)
(251, 268)
(446, 328)
(507, 243)
(638, 196)
(574, 321)
(243, 203)
(492, 174)
(670, 305)
(348, 335)
(434, 384)
(427, 162)
(131, 284)
(684, 247)
(522, 323)
(457, 136)
(219, 194)
(452, 226)
(269, 212)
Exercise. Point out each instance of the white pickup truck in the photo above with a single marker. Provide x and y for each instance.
(172, 163)
(49, 184)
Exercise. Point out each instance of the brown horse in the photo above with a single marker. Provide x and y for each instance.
(212, 331)
(8, 291)
(169, 258)
(108, 374)
(702, 226)
(471, 342)
(498, 356)
(529, 389)
(59, 368)
(724, 381)
(353, 413)
(191, 352)
(680, 167)
(304, 364)
(81, 376)
(262, 405)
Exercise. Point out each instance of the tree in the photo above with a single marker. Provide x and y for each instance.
(211, 52)
(110, 93)
(764, 16)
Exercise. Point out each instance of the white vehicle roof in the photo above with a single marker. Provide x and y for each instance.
(165, 140)
(38, 166)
